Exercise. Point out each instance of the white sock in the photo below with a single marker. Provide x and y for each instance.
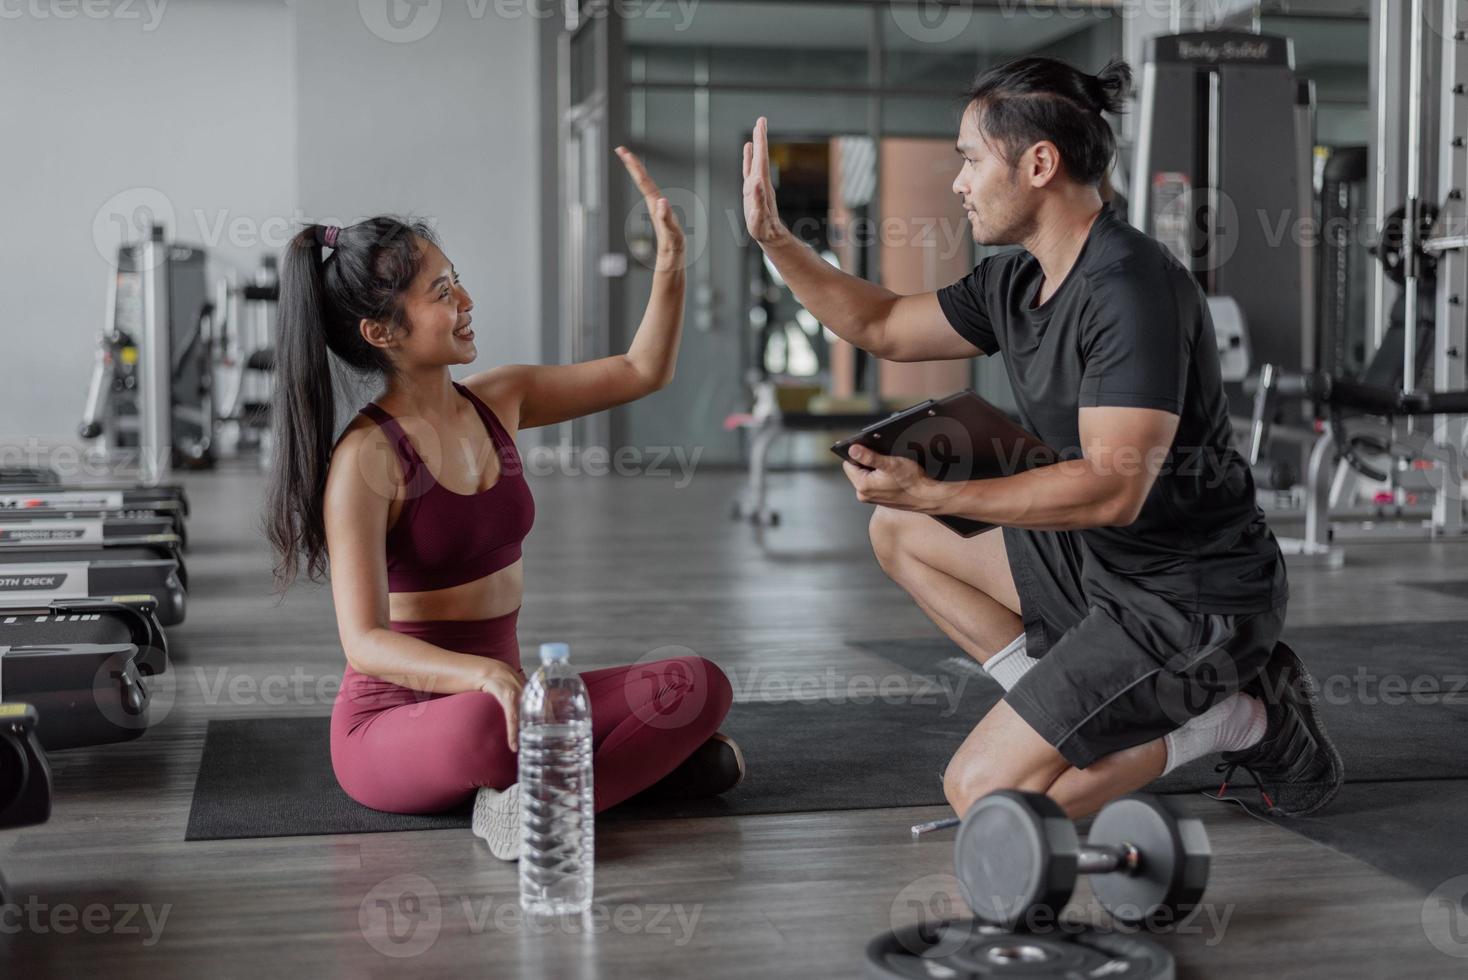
(1010, 664)
(1235, 723)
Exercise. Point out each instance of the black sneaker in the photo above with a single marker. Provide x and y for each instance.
(1295, 766)
(715, 767)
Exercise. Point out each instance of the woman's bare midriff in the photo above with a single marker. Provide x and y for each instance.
(497, 594)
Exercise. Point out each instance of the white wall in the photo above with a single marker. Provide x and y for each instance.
(192, 108)
(443, 126)
(239, 119)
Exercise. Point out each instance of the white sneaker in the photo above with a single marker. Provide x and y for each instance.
(497, 819)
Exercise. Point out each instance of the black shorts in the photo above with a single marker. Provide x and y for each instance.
(1120, 667)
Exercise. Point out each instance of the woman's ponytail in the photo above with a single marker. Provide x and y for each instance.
(323, 300)
(303, 413)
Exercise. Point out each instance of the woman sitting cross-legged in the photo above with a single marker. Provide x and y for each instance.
(419, 509)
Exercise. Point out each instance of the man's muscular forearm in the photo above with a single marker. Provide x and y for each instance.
(852, 308)
(1068, 496)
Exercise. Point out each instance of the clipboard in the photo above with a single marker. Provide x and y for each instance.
(955, 439)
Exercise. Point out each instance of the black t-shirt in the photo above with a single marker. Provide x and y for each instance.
(1130, 327)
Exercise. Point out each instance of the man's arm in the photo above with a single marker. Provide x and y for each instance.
(872, 317)
(1136, 348)
(1123, 450)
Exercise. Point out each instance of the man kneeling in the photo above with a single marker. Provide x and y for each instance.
(1133, 602)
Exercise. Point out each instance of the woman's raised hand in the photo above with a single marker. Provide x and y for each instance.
(664, 222)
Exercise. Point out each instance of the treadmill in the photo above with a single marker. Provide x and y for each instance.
(27, 526)
(110, 495)
(167, 512)
(125, 574)
(47, 544)
(83, 664)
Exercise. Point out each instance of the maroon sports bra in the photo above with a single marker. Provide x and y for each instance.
(442, 538)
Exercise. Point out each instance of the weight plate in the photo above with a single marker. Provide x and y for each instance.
(1391, 246)
(1015, 855)
(980, 951)
(1173, 871)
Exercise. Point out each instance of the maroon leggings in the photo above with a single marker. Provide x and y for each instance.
(404, 751)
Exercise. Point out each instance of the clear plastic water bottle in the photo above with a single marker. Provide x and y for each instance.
(557, 825)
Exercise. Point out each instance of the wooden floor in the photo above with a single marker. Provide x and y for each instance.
(617, 567)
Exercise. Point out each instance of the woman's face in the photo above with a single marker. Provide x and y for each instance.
(437, 308)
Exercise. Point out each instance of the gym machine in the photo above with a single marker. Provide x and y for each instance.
(60, 621)
(25, 778)
(1414, 392)
(104, 496)
(25, 527)
(21, 476)
(107, 541)
(1225, 134)
(89, 693)
(127, 575)
(245, 337)
(151, 392)
(70, 541)
(160, 518)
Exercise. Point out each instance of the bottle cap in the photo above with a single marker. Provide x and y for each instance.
(552, 652)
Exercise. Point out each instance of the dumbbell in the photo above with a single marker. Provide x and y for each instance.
(1017, 854)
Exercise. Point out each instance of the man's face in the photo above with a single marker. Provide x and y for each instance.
(997, 202)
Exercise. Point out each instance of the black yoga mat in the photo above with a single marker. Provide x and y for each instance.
(272, 776)
(1412, 830)
(1395, 696)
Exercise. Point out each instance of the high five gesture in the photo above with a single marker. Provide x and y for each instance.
(664, 222)
(761, 216)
